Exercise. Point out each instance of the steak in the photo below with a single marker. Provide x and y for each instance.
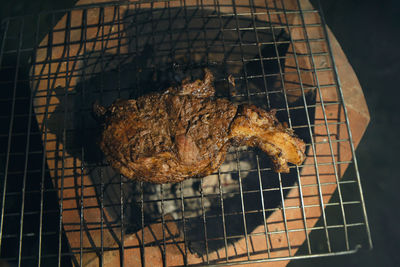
(185, 132)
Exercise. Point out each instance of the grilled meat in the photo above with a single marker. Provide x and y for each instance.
(184, 132)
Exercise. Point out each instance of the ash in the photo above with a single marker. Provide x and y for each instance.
(208, 208)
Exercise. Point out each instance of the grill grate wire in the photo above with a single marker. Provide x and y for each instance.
(43, 171)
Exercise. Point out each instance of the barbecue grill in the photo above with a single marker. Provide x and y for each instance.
(61, 203)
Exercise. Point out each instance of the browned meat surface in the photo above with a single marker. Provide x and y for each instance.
(184, 132)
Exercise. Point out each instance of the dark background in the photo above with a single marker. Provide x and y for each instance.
(369, 33)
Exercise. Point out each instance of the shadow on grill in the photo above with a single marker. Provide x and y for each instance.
(163, 47)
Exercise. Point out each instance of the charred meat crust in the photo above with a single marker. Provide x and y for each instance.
(258, 128)
(184, 132)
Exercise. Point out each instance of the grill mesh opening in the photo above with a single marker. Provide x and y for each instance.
(63, 205)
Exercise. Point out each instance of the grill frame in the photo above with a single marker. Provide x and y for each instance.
(60, 253)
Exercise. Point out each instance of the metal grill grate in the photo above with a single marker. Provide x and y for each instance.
(63, 205)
